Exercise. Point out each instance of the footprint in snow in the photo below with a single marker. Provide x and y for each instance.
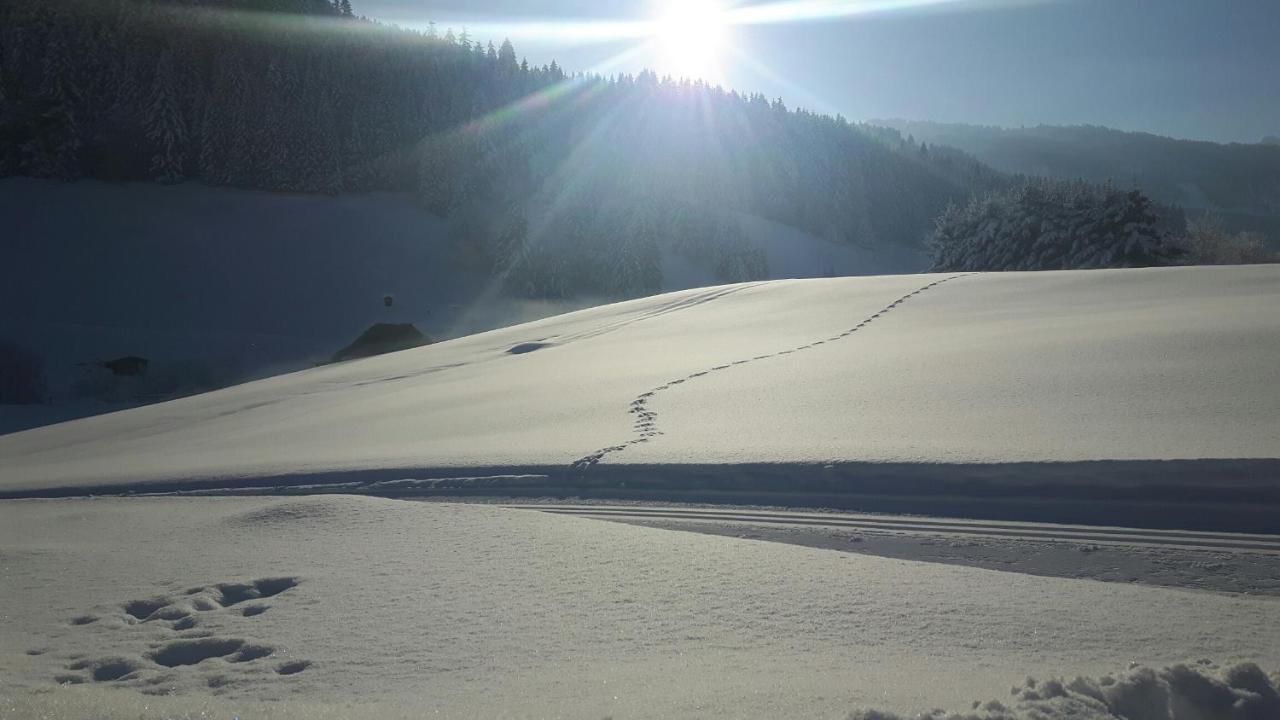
(182, 610)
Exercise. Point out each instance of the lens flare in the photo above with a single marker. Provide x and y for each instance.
(690, 37)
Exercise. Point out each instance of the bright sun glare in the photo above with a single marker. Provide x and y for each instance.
(690, 36)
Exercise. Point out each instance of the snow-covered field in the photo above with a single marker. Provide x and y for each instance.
(1128, 389)
(365, 607)
(1107, 381)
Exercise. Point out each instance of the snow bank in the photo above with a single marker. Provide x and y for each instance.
(1180, 692)
(1196, 691)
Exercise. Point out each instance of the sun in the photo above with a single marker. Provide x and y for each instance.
(690, 37)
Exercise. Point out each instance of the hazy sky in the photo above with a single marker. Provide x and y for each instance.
(1206, 69)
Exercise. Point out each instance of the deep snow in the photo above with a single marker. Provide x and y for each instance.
(1161, 378)
(1130, 385)
(365, 606)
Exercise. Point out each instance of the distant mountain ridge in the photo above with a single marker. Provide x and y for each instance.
(1240, 182)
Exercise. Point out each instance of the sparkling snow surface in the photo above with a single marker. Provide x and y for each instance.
(1102, 365)
(382, 607)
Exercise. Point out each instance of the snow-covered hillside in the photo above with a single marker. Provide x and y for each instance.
(1147, 394)
(265, 282)
(263, 279)
(1126, 383)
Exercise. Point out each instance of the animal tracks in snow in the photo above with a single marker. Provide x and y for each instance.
(181, 614)
(645, 426)
(204, 599)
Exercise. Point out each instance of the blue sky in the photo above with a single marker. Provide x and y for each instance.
(1205, 69)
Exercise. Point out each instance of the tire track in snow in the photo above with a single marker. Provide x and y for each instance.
(646, 422)
(914, 525)
(694, 300)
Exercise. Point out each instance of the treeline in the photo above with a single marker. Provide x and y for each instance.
(1055, 225)
(559, 185)
(1238, 182)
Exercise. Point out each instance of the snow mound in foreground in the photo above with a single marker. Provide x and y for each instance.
(1198, 691)
(368, 607)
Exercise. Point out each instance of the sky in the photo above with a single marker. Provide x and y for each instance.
(1200, 69)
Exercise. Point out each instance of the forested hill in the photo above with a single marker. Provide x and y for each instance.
(1240, 182)
(558, 185)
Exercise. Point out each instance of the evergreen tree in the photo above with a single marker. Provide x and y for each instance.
(211, 158)
(272, 147)
(507, 57)
(585, 190)
(433, 188)
(55, 152)
(1053, 225)
(167, 129)
(5, 122)
(636, 263)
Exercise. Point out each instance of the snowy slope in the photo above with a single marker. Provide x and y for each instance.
(381, 608)
(1144, 379)
(264, 282)
(176, 273)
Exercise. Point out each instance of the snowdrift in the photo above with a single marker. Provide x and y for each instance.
(351, 607)
(1152, 395)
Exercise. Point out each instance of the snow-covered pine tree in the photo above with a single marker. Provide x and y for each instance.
(737, 258)
(313, 135)
(636, 263)
(354, 155)
(5, 169)
(239, 103)
(435, 170)
(253, 125)
(330, 175)
(212, 156)
(165, 125)
(511, 246)
(1053, 225)
(56, 152)
(273, 131)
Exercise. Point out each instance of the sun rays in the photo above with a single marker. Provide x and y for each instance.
(695, 39)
